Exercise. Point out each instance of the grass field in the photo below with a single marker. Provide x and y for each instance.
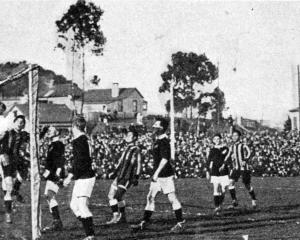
(277, 217)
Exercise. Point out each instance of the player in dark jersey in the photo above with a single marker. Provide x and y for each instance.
(219, 179)
(14, 166)
(126, 174)
(238, 157)
(54, 173)
(162, 178)
(84, 176)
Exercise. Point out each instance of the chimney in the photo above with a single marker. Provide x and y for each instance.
(115, 90)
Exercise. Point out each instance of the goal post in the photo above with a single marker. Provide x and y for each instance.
(34, 163)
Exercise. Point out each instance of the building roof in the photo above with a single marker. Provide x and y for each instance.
(294, 110)
(104, 95)
(62, 90)
(48, 112)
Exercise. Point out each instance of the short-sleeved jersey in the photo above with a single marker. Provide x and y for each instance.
(81, 162)
(55, 159)
(128, 164)
(239, 154)
(216, 160)
(11, 145)
(161, 149)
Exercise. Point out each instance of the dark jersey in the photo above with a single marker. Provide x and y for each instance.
(162, 149)
(55, 159)
(216, 160)
(81, 162)
(128, 165)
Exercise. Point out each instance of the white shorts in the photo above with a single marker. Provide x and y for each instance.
(51, 186)
(165, 185)
(83, 187)
(222, 180)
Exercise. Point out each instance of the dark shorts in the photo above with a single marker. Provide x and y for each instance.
(9, 170)
(235, 175)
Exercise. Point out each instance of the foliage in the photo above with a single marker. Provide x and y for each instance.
(80, 25)
(187, 70)
(288, 125)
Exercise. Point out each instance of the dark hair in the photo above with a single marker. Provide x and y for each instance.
(134, 131)
(164, 123)
(79, 122)
(3, 106)
(218, 135)
(20, 117)
(237, 131)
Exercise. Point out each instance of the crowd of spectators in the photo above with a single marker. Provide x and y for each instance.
(273, 154)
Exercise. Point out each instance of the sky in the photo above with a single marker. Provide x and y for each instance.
(260, 39)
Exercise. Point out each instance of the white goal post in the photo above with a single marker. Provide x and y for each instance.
(32, 72)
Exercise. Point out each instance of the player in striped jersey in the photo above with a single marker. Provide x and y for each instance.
(238, 155)
(126, 174)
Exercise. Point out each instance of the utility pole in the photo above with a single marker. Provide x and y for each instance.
(298, 71)
(172, 113)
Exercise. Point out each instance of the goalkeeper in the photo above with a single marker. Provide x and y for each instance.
(54, 174)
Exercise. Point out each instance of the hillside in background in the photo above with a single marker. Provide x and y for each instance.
(20, 87)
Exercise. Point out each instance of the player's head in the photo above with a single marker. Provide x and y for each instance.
(131, 135)
(236, 134)
(19, 122)
(217, 139)
(160, 126)
(2, 108)
(52, 132)
(79, 124)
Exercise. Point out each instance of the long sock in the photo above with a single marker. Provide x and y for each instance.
(147, 215)
(114, 208)
(8, 206)
(217, 201)
(87, 224)
(178, 214)
(55, 213)
(17, 185)
(232, 193)
(222, 198)
(252, 194)
(122, 210)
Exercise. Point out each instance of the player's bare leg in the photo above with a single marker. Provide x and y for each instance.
(8, 199)
(53, 207)
(176, 205)
(149, 209)
(252, 195)
(232, 192)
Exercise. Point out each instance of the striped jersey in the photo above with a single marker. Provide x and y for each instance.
(239, 153)
(127, 166)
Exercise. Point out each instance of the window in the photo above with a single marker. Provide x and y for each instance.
(145, 106)
(120, 106)
(134, 102)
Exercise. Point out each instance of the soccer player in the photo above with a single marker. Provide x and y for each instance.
(54, 172)
(13, 164)
(219, 179)
(126, 174)
(162, 179)
(238, 155)
(84, 177)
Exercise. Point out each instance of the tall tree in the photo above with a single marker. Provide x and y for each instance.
(188, 70)
(288, 125)
(80, 28)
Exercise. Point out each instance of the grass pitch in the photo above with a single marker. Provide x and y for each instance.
(277, 215)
